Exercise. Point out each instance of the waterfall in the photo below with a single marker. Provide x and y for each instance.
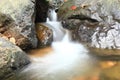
(65, 56)
(65, 52)
(58, 31)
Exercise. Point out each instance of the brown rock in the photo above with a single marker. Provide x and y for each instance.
(44, 34)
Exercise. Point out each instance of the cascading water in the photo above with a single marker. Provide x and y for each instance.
(52, 15)
(58, 30)
(63, 60)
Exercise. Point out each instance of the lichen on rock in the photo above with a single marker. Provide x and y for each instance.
(17, 21)
(12, 58)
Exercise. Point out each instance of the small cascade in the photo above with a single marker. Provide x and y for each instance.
(56, 26)
(65, 56)
(65, 52)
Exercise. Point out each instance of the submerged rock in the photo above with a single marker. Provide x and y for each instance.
(112, 73)
(17, 21)
(44, 34)
(12, 58)
(96, 22)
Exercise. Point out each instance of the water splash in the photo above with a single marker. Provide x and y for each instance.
(58, 30)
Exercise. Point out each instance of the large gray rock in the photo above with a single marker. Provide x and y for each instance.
(96, 22)
(17, 21)
(12, 58)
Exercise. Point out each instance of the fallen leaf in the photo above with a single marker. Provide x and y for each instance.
(73, 7)
(65, 0)
(6, 38)
(12, 39)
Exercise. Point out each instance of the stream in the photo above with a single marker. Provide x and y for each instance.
(84, 68)
(68, 60)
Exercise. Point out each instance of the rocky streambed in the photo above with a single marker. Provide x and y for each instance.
(96, 23)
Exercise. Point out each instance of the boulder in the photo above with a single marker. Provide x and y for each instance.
(95, 22)
(44, 35)
(17, 21)
(12, 58)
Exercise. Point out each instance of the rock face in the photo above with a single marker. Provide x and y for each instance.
(12, 58)
(44, 34)
(17, 21)
(96, 22)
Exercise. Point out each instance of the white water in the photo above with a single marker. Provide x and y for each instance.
(52, 15)
(65, 57)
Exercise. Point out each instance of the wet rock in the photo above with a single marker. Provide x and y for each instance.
(55, 3)
(95, 22)
(12, 58)
(111, 54)
(44, 34)
(17, 21)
